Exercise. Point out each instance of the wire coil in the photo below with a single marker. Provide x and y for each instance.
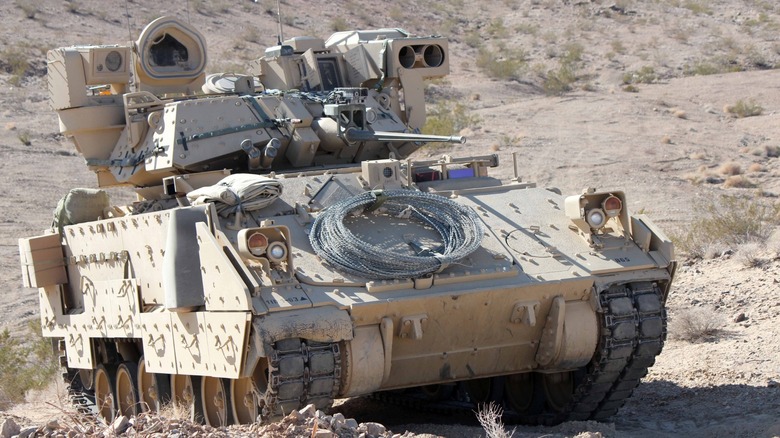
(460, 228)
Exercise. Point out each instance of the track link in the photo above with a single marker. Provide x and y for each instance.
(632, 334)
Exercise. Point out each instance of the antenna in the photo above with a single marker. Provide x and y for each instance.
(127, 14)
(280, 36)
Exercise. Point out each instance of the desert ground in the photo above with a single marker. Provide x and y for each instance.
(675, 102)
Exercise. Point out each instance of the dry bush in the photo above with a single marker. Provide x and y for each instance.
(645, 75)
(749, 254)
(730, 168)
(176, 410)
(680, 114)
(666, 139)
(489, 417)
(695, 325)
(729, 221)
(714, 250)
(756, 167)
(504, 64)
(744, 108)
(698, 156)
(738, 182)
(772, 151)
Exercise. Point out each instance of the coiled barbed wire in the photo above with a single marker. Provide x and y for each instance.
(459, 226)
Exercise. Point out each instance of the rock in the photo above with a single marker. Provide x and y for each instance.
(337, 421)
(295, 417)
(53, 424)
(309, 411)
(9, 428)
(741, 317)
(323, 433)
(773, 384)
(27, 432)
(120, 424)
(351, 423)
(374, 429)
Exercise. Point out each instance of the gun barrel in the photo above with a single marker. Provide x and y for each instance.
(355, 135)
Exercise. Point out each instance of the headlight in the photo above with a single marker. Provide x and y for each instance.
(277, 252)
(596, 218)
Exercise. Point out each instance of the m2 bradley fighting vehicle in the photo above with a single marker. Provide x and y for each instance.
(283, 250)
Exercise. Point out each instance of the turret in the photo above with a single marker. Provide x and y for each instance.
(145, 111)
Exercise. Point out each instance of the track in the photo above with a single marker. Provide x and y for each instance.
(81, 398)
(300, 373)
(633, 330)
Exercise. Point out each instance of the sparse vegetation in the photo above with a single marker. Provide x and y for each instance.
(744, 108)
(730, 168)
(697, 7)
(559, 81)
(695, 325)
(713, 66)
(339, 24)
(25, 363)
(16, 63)
(30, 8)
(448, 118)
(729, 222)
(748, 254)
(738, 182)
(24, 138)
(503, 64)
(645, 75)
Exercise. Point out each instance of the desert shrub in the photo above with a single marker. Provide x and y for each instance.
(645, 75)
(730, 168)
(695, 325)
(448, 118)
(489, 417)
(756, 167)
(738, 182)
(496, 28)
(473, 39)
(560, 80)
(339, 24)
(503, 64)
(24, 138)
(30, 9)
(745, 108)
(772, 151)
(25, 363)
(15, 62)
(698, 7)
(730, 221)
(749, 254)
(712, 66)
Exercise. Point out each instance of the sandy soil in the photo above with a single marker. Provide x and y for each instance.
(655, 144)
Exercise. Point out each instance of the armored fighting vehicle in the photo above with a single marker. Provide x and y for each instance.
(285, 250)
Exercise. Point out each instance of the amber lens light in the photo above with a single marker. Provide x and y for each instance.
(257, 243)
(612, 206)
